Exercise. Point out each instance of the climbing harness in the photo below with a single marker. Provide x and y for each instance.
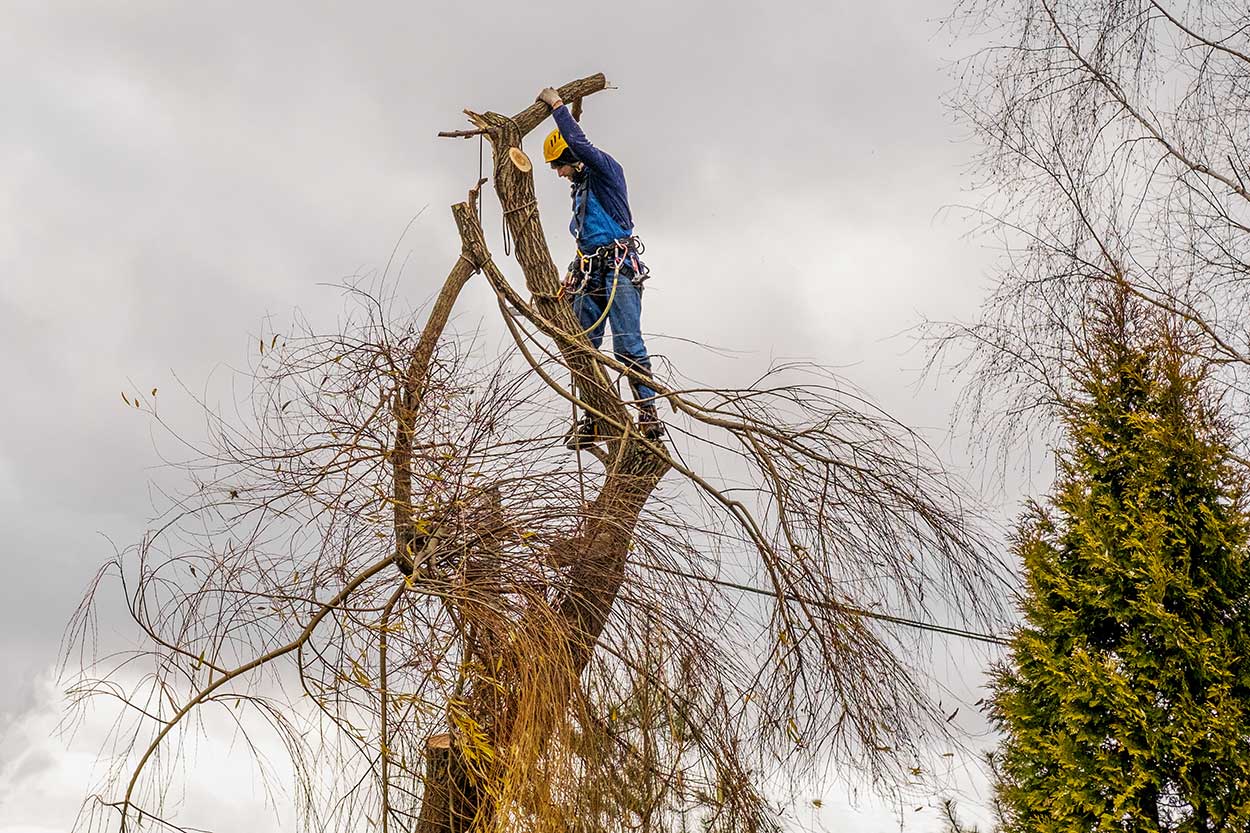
(623, 251)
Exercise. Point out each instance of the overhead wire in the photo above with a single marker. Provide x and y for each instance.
(841, 608)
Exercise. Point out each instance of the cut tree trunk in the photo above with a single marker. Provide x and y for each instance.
(450, 801)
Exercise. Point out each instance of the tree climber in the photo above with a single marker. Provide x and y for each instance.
(605, 279)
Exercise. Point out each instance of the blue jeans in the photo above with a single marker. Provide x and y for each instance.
(625, 316)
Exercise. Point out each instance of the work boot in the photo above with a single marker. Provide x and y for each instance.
(649, 424)
(581, 434)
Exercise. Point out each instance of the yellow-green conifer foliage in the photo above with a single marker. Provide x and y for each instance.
(1126, 700)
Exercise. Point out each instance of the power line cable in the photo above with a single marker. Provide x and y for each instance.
(841, 608)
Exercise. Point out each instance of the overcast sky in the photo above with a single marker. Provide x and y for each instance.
(174, 175)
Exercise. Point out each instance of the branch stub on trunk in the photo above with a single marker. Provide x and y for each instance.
(520, 160)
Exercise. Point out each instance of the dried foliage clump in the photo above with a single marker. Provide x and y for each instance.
(452, 623)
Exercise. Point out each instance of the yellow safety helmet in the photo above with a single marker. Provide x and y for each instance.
(553, 146)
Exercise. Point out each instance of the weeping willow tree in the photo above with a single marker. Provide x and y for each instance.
(450, 623)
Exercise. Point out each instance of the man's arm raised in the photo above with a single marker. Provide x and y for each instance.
(572, 131)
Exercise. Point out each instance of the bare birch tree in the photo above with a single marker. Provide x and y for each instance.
(450, 624)
(1114, 136)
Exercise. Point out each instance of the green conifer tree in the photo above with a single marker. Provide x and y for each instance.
(1125, 703)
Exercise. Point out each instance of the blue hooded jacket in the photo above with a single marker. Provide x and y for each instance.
(605, 216)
